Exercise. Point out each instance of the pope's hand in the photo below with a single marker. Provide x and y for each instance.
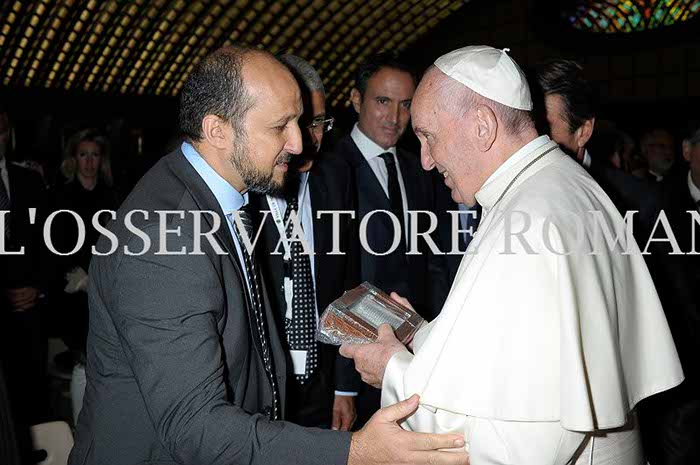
(371, 359)
(404, 301)
(382, 441)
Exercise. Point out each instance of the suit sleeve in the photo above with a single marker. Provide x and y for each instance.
(166, 312)
(347, 379)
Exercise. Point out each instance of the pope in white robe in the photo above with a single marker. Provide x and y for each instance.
(552, 331)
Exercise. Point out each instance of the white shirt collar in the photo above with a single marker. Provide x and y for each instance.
(694, 190)
(367, 146)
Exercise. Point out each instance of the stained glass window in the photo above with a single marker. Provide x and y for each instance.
(612, 16)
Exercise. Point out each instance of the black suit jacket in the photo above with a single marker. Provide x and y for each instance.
(421, 278)
(677, 277)
(27, 191)
(329, 188)
(629, 193)
(174, 368)
(670, 421)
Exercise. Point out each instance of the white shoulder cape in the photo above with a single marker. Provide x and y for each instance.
(543, 336)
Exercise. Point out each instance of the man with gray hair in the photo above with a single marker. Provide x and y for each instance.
(322, 391)
(542, 349)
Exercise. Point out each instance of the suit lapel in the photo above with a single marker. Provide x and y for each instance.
(368, 185)
(268, 241)
(323, 229)
(410, 183)
(205, 200)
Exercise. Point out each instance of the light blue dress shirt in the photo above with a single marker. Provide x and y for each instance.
(230, 200)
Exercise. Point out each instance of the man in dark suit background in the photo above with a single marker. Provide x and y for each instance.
(323, 389)
(23, 342)
(657, 148)
(184, 359)
(565, 105)
(391, 179)
(671, 420)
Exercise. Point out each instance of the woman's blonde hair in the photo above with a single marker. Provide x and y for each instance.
(69, 165)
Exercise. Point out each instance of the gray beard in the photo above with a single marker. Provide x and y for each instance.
(254, 179)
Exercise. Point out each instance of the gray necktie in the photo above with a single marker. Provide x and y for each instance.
(256, 302)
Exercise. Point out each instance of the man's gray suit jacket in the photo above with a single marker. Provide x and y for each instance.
(174, 368)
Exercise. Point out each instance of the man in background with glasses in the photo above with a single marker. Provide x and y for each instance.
(323, 389)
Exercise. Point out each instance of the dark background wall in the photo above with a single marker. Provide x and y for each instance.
(644, 80)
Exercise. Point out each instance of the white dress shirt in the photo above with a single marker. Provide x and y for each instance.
(694, 190)
(305, 212)
(371, 151)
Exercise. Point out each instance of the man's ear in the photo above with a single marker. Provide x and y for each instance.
(216, 132)
(486, 127)
(356, 99)
(584, 133)
(686, 150)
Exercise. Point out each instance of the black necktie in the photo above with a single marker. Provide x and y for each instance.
(256, 302)
(395, 198)
(5, 204)
(301, 328)
(473, 219)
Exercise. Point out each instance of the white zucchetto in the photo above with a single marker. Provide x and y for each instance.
(490, 73)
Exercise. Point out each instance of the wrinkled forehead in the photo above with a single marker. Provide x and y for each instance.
(429, 95)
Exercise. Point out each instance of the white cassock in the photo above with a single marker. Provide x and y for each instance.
(540, 357)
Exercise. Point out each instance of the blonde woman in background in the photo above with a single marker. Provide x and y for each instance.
(87, 189)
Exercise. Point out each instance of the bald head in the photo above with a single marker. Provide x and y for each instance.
(240, 109)
(226, 83)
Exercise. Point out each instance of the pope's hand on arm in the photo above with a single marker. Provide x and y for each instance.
(371, 359)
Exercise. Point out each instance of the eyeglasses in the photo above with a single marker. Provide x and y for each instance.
(321, 123)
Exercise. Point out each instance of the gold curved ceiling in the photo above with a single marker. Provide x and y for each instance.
(144, 47)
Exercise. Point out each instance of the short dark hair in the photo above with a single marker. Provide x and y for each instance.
(216, 87)
(385, 59)
(565, 79)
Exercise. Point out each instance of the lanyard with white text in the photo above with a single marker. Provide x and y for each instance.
(278, 218)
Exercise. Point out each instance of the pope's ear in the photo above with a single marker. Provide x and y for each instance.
(356, 99)
(215, 132)
(584, 133)
(486, 127)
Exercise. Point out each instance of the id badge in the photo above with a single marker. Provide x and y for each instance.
(299, 361)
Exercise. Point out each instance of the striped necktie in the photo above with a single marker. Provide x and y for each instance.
(255, 300)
